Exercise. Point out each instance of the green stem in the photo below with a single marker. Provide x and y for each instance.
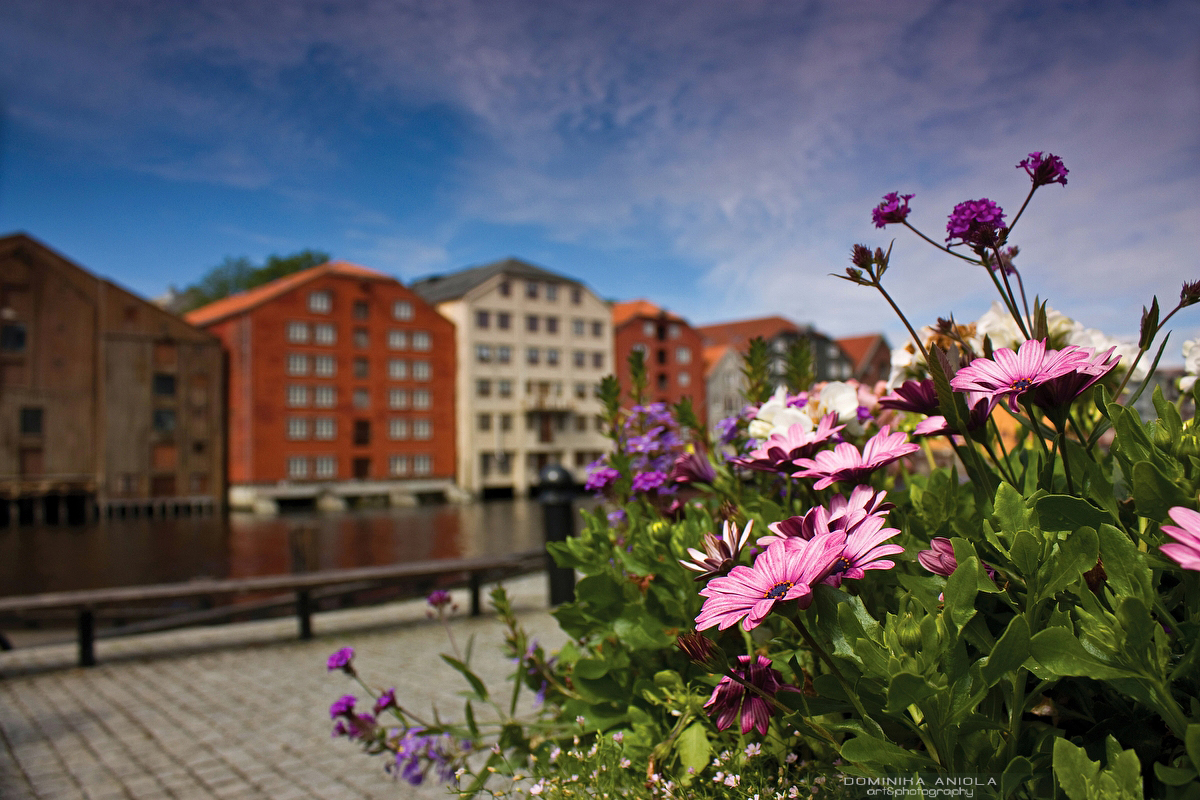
(916, 339)
(941, 247)
(837, 673)
(1012, 298)
(1021, 211)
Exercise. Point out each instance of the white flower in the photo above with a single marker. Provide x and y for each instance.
(1000, 326)
(732, 779)
(753, 749)
(1099, 341)
(776, 416)
(1191, 364)
(841, 399)
(537, 788)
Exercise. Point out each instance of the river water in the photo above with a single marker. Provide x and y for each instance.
(131, 552)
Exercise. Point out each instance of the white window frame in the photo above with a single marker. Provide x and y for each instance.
(421, 371)
(297, 467)
(325, 467)
(422, 399)
(422, 341)
(320, 301)
(402, 309)
(297, 364)
(297, 428)
(422, 429)
(397, 369)
(297, 396)
(325, 333)
(297, 332)
(397, 340)
(325, 397)
(397, 398)
(325, 429)
(397, 429)
(324, 366)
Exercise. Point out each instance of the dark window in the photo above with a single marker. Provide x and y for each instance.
(503, 320)
(483, 319)
(12, 337)
(551, 324)
(164, 385)
(662, 382)
(531, 323)
(597, 329)
(361, 467)
(505, 289)
(531, 290)
(576, 296)
(362, 431)
(360, 368)
(360, 309)
(661, 355)
(164, 420)
(31, 421)
(360, 337)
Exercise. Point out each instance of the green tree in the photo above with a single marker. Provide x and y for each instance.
(235, 275)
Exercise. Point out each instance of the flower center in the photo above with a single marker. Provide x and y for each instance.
(840, 566)
(778, 590)
(1021, 384)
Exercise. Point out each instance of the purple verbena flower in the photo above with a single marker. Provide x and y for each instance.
(386, 700)
(1044, 170)
(648, 481)
(1185, 550)
(341, 660)
(976, 222)
(732, 701)
(719, 555)
(779, 574)
(616, 517)
(893, 209)
(439, 599)
(601, 477)
(343, 706)
(1009, 375)
(727, 429)
(846, 464)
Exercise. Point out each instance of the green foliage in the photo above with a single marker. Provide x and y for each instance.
(235, 275)
(757, 371)
(798, 371)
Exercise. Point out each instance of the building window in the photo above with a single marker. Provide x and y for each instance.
(685, 379)
(398, 429)
(398, 465)
(326, 467)
(164, 384)
(483, 353)
(531, 290)
(297, 396)
(581, 391)
(551, 324)
(325, 397)
(397, 398)
(662, 381)
(360, 368)
(421, 341)
(362, 398)
(422, 465)
(397, 340)
(483, 388)
(580, 358)
(504, 354)
(504, 388)
(503, 320)
(674, 331)
(297, 364)
(325, 428)
(297, 428)
(324, 366)
(361, 309)
(31, 421)
(505, 289)
(297, 332)
(324, 333)
(578, 326)
(422, 429)
(483, 319)
(297, 467)
(598, 360)
(421, 370)
(362, 431)
(12, 337)
(506, 422)
(402, 309)
(576, 296)
(551, 292)
(552, 356)
(647, 328)
(422, 399)
(683, 355)
(397, 369)
(597, 328)
(532, 355)
(362, 338)
(320, 302)
(580, 423)
(531, 323)
(661, 355)
(484, 423)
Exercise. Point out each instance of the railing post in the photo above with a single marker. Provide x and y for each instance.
(474, 581)
(557, 488)
(304, 613)
(87, 638)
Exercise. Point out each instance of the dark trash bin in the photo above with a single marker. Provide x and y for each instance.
(556, 491)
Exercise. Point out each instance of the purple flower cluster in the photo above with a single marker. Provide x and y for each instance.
(976, 223)
(438, 598)
(651, 440)
(893, 209)
(341, 660)
(418, 752)
(731, 700)
(1044, 169)
(350, 723)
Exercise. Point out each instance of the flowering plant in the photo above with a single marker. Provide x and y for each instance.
(1027, 613)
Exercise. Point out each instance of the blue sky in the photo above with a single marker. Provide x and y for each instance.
(719, 157)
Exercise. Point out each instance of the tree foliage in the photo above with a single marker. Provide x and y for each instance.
(238, 274)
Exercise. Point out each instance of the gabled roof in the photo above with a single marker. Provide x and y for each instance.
(860, 348)
(738, 334)
(623, 312)
(440, 288)
(251, 298)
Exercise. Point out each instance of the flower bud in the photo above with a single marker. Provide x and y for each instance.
(908, 632)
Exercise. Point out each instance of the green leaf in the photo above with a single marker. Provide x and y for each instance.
(1174, 776)
(1010, 509)
(1010, 652)
(1191, 741)
(1018, 771)
(1059, 651)
(1074, 770)
(471, 726)
(1026, 553)
(1076, 554)
(1154, 492)
(591, 668)
(1063, 512)
(481, 691)
(906, 689)
(864, 749)
(693, 747)
(1125, 565)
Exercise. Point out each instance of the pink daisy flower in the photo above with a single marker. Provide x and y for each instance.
(1059, 392)
(1010, 375)
(1185, 550)
(845, 463)
(841, 515)
(779, 452)
(864, 549)
(732, 701)
(779, 574)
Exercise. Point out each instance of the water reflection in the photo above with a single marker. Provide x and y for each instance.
(139, 551)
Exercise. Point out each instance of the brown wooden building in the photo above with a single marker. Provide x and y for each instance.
(341, 386)
(107, 403)
(673, 352)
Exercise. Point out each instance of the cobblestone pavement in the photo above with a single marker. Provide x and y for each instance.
(237, 711)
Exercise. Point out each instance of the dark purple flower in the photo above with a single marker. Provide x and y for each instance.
(601, 478)
(893, 209)
(727, 429)
(732, 701)
(1189, 295)
(845, 464)
(418, 752)
(438, 598)
(939, 558)
(1061, 391)
(386, 700)
(1009, 375)
(616, 517)
(692, 468)
(719, 555)
(976, 222)
(1044, 170)
(648, 481)
(343, 706)
(341, 660)
(917, 396)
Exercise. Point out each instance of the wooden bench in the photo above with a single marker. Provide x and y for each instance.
(303, 589)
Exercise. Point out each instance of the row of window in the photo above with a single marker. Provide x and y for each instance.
(660, 331)
(321, 302)
(326, 467)
(504, 422)
(502, 354)
(683, 355)
(326, 397)
(535, 289)
(535, 323)
(325, 429)
(504, 388)
(325, 333)
(326, 367)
